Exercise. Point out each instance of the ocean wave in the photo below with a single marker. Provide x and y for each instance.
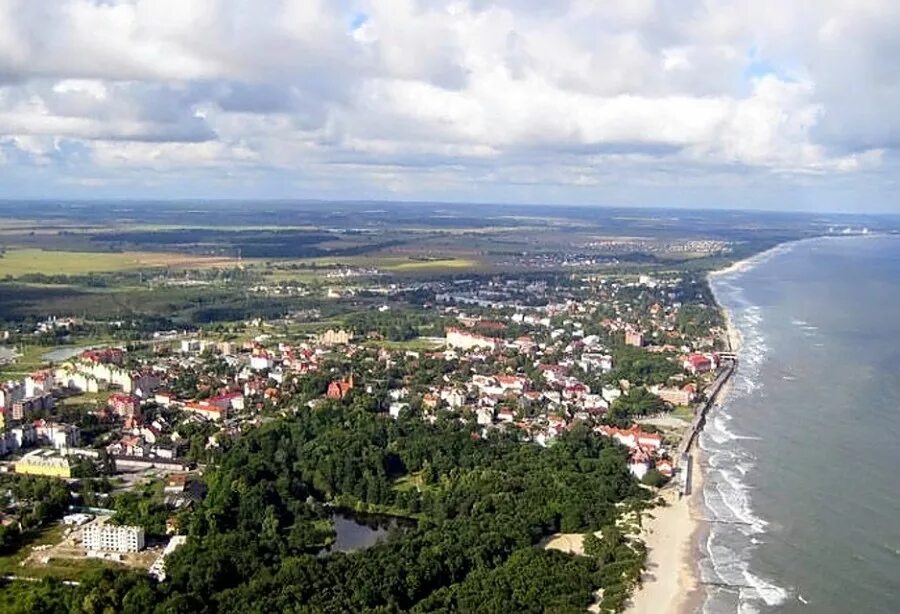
(771, 594)
(736, 529)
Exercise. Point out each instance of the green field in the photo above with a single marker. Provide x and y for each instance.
(18, 262)
(436, 265)
(64, 569)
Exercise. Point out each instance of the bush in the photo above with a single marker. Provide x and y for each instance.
(654, 478)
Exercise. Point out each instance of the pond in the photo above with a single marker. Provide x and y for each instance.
(360, 531)
(63, 354)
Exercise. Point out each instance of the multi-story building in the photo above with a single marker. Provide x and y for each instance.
(675, 396)
(44, 462)
(467, 341)
(124, 405)
(112, 538)
(335, 337)
(634, 337)
(60, 436)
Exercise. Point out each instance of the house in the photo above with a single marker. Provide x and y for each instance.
(513, 383)
(665, 467)
(697, 363)
(610, 393)
(228, 400)
(591, 361)
(633, 438)
(395, 408)
(338, 389)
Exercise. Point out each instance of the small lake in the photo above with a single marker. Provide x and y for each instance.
(63, 354)
(360, 531)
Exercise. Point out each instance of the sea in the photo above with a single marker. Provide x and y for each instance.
(802, 459)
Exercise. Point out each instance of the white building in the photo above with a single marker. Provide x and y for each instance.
(261, 361)
(467, 341)
(113, 538)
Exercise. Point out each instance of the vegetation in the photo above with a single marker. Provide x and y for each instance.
(483, 506)
(19, 262)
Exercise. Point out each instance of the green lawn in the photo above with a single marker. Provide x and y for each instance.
(413, 345)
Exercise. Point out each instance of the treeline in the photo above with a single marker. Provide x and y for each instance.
(394, 325)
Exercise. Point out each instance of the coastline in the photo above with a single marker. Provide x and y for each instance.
(673, 534)
(670, 582)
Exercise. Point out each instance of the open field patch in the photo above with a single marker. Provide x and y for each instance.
(18, 262)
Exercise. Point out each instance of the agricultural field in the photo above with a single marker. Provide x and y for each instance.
(18, 262)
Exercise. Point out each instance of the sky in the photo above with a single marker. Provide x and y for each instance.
(740, 104)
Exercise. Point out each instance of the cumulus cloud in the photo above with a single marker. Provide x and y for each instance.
(572, 100)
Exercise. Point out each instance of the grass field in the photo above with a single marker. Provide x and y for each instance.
(18, 262)
(413, 345)
(67, 569)
(436, 265)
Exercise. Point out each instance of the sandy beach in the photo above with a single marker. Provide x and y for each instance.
(670, 579)
(670, 582)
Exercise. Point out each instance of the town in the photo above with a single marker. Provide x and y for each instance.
(133, 427)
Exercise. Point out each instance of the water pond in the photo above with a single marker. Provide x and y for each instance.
(355, 531)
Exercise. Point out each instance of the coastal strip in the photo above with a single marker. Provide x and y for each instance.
(670, 582)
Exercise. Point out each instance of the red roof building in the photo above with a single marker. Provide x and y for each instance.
(338, 389)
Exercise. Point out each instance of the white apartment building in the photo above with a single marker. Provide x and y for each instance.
(113, 538)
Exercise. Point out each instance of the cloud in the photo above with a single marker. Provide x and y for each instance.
(572, 101)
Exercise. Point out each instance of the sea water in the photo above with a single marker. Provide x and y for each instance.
(802, 461)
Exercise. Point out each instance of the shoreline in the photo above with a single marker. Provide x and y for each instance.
(672, 534)
(676, 541)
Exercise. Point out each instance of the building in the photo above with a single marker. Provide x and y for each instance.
(107, 537)
(467, 341)
(335, 337)
(90, 375)
(44, 462)
(158, 568)
(124, 405)
(206, 409)
(228, 400)
(634, 337)
(698, 363)
(633, 438)
(60, 436)
(260, 361)
(675, 396)
(338, 389)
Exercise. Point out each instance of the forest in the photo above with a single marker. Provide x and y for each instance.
(481, 506)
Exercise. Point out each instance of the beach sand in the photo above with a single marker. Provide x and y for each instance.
(670, 579)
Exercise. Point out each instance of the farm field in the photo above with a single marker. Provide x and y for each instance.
(19, 262)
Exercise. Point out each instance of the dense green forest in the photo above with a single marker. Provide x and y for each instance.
(481, 506)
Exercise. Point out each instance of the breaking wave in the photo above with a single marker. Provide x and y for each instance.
(735, 530)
